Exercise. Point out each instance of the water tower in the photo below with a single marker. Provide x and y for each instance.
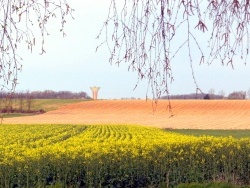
(95, 92)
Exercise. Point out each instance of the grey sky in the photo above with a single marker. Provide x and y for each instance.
(71, 63)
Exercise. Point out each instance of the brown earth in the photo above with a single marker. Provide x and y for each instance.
(186, 114)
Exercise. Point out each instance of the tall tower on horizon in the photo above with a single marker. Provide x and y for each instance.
(95, 91)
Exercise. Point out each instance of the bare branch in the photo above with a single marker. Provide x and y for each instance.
(149, 34)
(18, 20)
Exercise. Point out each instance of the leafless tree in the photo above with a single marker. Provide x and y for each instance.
(248, 93)
(149, 34)
(222, 94)
(237, 95)
(18, 20)
(211, 93)
(21, 97)
(8, 102)
(28, 100)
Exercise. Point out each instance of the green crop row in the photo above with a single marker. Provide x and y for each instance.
(117, 156)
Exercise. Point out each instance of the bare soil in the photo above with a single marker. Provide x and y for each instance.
(186, 114)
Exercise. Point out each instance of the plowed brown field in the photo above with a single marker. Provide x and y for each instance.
(187, 114)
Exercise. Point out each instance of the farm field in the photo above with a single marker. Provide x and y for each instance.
(36, 105)
(124, 143)
(116, 156)
(236, 133)
(186, 114)
(52, 104)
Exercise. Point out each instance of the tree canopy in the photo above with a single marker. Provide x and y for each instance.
(18, 20)
(150, 34)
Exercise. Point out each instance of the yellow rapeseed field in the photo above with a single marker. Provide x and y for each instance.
(116, 156)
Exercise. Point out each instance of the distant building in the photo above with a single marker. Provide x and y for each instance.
(95, 92)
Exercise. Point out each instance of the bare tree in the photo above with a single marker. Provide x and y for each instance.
(18, 20)
(211, 93)
(28, 100)
(149, 34)
(248, 93)
(8, 103)
(222, 94)
(237, 95)
(21, 97)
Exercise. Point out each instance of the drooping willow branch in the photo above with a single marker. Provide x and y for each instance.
(150, 34)
(18, 20)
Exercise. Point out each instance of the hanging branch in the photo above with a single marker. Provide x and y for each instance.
(18, 19)
(145, 33)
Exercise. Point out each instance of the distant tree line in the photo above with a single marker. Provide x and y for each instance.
(236, 95)
(46, 94)
(194, 96)
(21, 102)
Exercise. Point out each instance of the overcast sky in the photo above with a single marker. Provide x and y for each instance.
(71, 63)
